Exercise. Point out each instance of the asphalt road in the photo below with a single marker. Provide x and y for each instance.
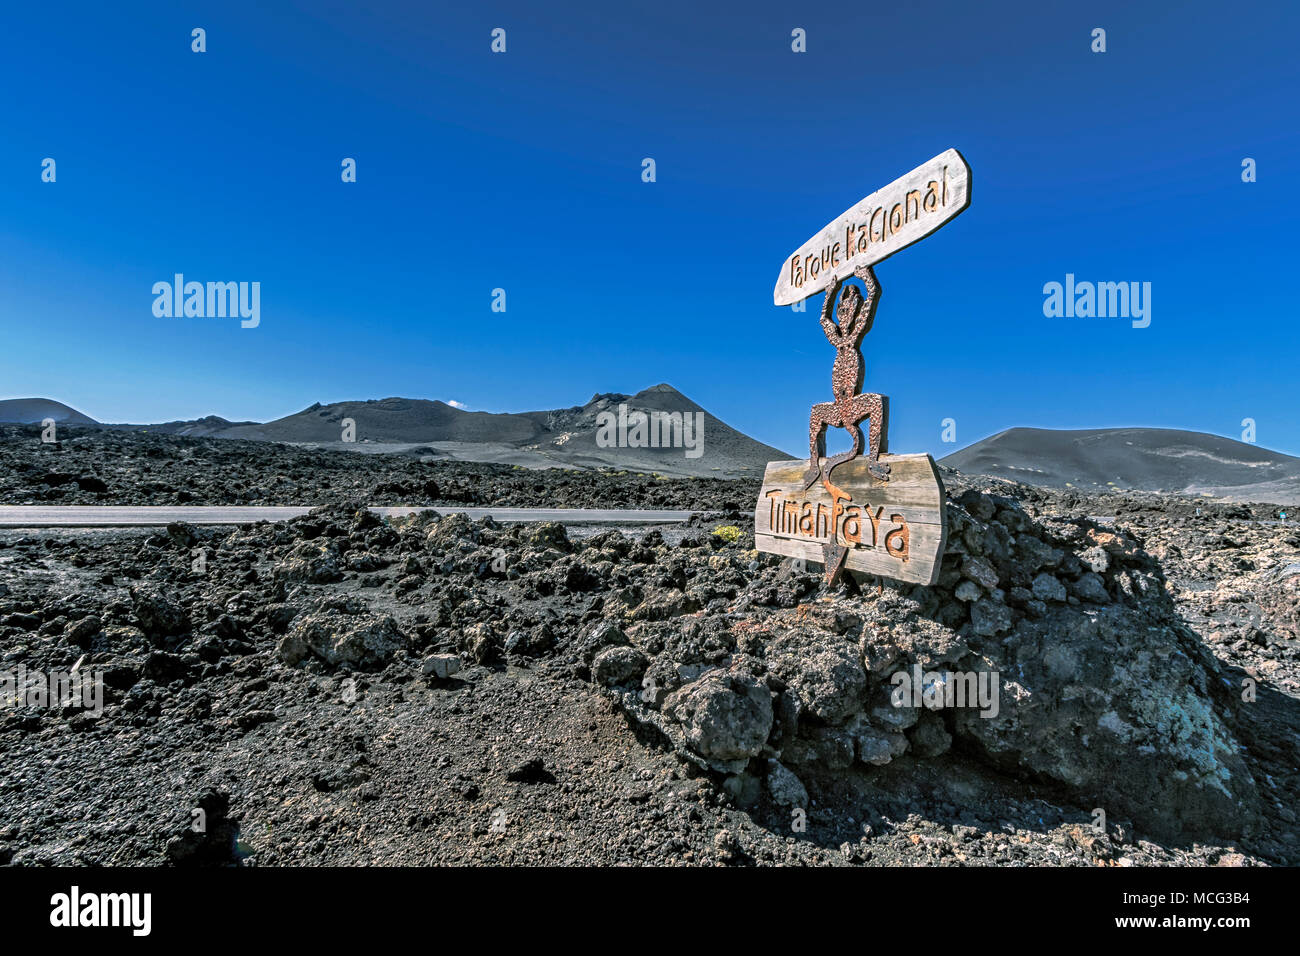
(125, 516)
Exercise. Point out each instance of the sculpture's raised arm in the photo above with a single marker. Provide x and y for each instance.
(832, 330)
(868, 277)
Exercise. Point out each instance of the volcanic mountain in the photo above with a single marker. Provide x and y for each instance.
(568, 437)
(391, 420)
(192, 428)
(33, 411)
(1142, 459)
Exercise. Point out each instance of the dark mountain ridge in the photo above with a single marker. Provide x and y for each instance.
(1138, 459)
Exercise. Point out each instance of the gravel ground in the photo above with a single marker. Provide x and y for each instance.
(342, 690)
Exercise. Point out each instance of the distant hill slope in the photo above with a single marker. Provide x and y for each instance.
(559, 437)
(33, 411)
(1144, 459)
(392, 420)
(194, 427)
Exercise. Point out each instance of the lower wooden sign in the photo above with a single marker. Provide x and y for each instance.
(894, 528)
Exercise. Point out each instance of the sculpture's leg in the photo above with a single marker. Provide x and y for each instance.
(879, 439)
(851, 426)
(852, 411)
(823, 415)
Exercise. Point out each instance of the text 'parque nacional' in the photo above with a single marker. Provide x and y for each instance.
(890, 219)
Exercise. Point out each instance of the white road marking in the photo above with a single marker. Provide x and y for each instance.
(123, 516)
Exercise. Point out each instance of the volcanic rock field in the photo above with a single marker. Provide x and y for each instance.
(345, 689)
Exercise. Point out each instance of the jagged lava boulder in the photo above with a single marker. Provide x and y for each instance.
(1048, 648)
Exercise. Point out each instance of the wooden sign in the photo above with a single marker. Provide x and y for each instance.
(890, 219)
(896, 528)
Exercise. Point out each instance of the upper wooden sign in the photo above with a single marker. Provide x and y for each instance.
(890, 219)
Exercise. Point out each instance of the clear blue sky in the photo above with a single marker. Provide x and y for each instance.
(523, 171)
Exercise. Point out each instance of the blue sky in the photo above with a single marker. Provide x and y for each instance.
(523, 171)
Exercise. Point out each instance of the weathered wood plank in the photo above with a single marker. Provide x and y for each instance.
(911, 479)
(896, 528)
(890, 219)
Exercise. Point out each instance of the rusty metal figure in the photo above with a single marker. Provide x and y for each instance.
(854, 318)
